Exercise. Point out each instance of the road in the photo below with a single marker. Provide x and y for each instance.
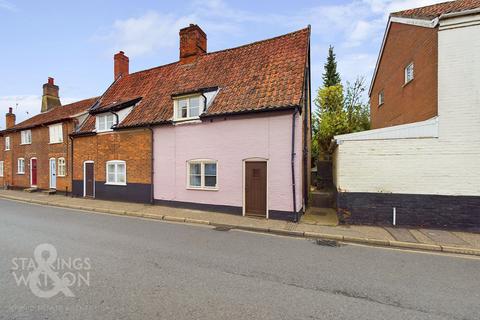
(143, 269)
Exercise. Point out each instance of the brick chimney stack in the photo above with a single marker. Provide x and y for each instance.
(10, 119)
(120, 64)
(50, 98)
(193, 43)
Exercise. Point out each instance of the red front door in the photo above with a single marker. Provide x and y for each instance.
(33, 172)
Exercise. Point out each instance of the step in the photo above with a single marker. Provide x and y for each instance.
(30, 190)
(50, 191)
(322, 199)
(320, 216)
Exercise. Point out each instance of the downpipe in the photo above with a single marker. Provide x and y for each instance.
(295, 212)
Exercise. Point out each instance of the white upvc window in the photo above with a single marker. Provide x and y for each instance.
(409, 74)
(116, 173)
(1, 168)
(202, 174)
(188, 108)
(7, 143)
(56, 133)
(381, 98)
(105, 122)
(21, 166)
(61, 167)
(26, 136)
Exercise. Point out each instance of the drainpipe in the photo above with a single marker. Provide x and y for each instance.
(152, 195)
(71, 163)
(295, 212)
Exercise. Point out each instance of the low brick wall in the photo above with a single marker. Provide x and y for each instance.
(417, 210)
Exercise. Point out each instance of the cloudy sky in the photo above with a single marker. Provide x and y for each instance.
(74, 41)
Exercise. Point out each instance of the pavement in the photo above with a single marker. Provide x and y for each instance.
(418, 239)
(151, 269)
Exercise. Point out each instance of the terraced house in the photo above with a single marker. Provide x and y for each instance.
(226, 130)
(36, 153)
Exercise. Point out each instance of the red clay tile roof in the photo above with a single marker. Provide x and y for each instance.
(436, 10)
(56, 114)
(263, 75)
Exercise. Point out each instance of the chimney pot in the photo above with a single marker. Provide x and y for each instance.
(51, 81)
(120, 65)
(10, 110)
(193, 43)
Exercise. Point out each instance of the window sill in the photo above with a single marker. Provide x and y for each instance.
(187, 120)
(55, 142)
(115, 184)
(25, 144)
(104, 131)
(407, 83)
(59, 176)
(203, 188)
(380, 105)
(20, 173)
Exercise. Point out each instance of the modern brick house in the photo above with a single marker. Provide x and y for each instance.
(36, 153)
(226, 130)
(421, 166)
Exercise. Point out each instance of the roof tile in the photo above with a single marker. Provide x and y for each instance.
(436, 10)
(262, 75)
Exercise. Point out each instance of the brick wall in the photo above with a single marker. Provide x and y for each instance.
(41, 149)
(417, 100)
(434, 180)
(132, 146)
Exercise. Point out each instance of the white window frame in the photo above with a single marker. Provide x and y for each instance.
(7, 144)
(202, 163)
(22, 160)
(26, 137)
(55, 132)
(103, 119)
(1, 169)
(61, 166)
(412, 66)
(381, 98)
(177, 113)
(116, 163)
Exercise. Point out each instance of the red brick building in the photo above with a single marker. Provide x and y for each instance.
(36, 153)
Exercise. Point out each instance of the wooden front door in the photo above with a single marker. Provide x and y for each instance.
(256, 188)
(33, 172)
(89, 180)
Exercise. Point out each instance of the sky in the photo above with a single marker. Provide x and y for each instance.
(74, 41)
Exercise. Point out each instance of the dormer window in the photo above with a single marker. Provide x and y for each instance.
(105, 122)
(188, 108)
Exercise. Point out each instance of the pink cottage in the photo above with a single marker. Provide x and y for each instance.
(230, 130)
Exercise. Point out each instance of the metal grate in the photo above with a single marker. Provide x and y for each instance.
(327, 243)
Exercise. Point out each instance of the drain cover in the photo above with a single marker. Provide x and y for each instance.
(222, 228)
(327, 243)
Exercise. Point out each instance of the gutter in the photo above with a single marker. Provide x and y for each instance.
(459, 13)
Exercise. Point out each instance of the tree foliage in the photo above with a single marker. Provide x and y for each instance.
(339, 111)
(331, 77)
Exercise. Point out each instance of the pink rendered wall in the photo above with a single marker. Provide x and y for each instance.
(229, 142)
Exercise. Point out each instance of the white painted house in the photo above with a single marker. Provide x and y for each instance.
(427, 172)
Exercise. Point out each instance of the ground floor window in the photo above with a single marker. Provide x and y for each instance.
(1, 168)
(61, 167)
(21, 166)
(116, 172)
(202, 174)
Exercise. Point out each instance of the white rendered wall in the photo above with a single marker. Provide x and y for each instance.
(447, 165)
